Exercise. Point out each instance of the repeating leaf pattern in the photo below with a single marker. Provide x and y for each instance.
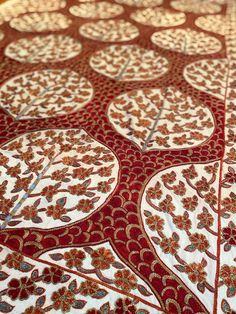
(161, 119)
(186, 41)
(50, 178)
(45, 93)
(40, 22)
(69, 291)
(129, 62)
(102, 264)
(179, 211)
(211, 76)
(50, 48)
(117, 156)
(215, 23)
(158, 17)
(97, 10)
(109, 30)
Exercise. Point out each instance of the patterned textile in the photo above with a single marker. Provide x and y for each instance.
(118, 156)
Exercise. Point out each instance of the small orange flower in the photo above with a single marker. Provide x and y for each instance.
(35, 166)
(199, 241)
(29, 212)
(49, 191)
(169, 245)
(78, 189)
(74, 258)
(82, 173)
(140, 134)
(14, 145)
(66, 147)
(163, 129)
(69, 161)
(85, 205)
(87, 159)
(58, 175)
(190, 203)
(232, 154)
(210, 198)
(196, 272)
(56, 211)
(144, 123)
(197, 136)
(190, 173)
(136, 113)
(3, 160)
(229, 204)
(27, 156)
(22, 183)
(5, 205)
(88, 287)
(155, 223)
(180, 140)
(13, 260)
(179, 189)
(228, 275)
(102, 258)
(63, 299)
(202, 185)
(162, 141)
(125, 280)
(105, 172)
(206, 219)
(182, 222)
(107, 158)
(167, 205)
(83, 149)
(155, 192)
(104, 187)
(14, 171)
(169, 177)
(117, 115)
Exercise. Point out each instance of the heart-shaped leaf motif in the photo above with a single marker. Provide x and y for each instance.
(53, 177)
(186, 41)
(45, 93)
(161, 119)
(40, 22)
(109, 30)
(213, 77)
(97, 10)
(179, 209)
(212, 23)
(129, 63)
(158, 17)
(50, 48)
